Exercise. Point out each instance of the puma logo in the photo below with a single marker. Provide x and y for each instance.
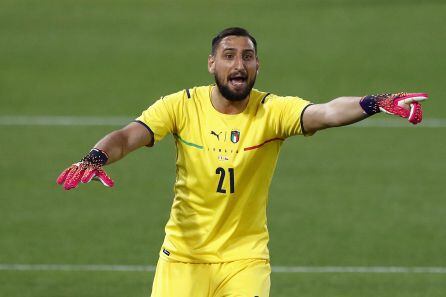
(216, 135)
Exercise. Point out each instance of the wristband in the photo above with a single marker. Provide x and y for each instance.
(96, 157)
(369, 105)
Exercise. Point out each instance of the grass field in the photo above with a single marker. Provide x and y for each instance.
(353, 196)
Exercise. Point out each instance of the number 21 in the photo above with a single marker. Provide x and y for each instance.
(222, 173)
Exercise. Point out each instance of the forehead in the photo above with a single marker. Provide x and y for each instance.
(241, 43)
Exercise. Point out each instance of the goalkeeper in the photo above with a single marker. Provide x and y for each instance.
(228, 137)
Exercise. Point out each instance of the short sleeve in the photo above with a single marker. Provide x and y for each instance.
(287, 115)
(160, 117)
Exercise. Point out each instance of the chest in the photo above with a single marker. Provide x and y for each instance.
(226, 140)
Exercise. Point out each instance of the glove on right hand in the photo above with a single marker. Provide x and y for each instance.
(89, 168)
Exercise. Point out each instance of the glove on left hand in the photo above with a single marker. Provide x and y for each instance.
(395, 104)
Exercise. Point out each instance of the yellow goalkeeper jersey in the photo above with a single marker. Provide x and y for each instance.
(224, 168)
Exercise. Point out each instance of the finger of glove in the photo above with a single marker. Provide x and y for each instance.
(63, 176)
(88, 175)
(412, 97)
(74, 180)
(390, 107)
(104, 178)
(416, 113)
(70, 175)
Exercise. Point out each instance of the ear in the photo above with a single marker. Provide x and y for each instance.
(211, 64)
(258, 65)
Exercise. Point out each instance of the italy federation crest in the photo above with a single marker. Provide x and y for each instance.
(235, 136)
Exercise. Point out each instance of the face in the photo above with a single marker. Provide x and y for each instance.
(234, 66)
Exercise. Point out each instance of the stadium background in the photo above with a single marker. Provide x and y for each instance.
(356, 196)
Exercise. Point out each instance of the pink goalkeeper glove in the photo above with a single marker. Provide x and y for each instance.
(89, 168)
(405, 105)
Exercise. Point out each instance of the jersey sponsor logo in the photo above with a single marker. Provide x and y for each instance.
(215, 134)
(235, 136)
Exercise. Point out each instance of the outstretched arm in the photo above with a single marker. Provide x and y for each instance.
(119, 143)
(113, 147)
(337, 112)
(348, 110)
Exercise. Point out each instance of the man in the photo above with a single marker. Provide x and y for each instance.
(228, 137)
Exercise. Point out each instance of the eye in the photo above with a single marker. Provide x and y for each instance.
(229, 56)
(248, 56)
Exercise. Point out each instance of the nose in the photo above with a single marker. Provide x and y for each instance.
(238, 63)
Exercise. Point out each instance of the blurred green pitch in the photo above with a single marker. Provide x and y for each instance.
(360, 197)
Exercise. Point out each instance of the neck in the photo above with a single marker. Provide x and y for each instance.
(223, 105)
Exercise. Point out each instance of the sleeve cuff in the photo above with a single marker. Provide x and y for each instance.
(150, 131)
(302, 128)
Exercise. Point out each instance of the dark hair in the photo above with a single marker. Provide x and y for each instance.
(233, 31)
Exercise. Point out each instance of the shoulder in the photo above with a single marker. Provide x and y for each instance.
(187, 94)
(268, 100)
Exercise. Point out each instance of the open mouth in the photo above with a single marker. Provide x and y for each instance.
(238, 80)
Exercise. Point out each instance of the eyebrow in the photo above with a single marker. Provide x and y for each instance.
(234, 49)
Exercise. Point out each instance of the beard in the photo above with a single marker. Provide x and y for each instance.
(234, 95)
